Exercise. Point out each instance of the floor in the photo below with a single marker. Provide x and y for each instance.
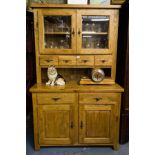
(123, 150)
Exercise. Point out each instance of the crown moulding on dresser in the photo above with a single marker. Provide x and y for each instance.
(76, 6)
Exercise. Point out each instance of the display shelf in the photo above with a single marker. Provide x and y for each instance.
(59, 33)
(95, 33)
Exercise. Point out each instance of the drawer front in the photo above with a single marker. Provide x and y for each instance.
(85, 60)
(103, 60)
(67, 60)
(50, 60)
(55, 98)
(98, 98)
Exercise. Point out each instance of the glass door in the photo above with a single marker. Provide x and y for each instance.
(57, 31)
(96, 32)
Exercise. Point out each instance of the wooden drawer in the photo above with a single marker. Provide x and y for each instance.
(85, 60)
(49, 60)
(55, 98)
(103, 60)
(98, 98)
(67, 60)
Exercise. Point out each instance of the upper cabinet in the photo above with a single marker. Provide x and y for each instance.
(78, 31)
(57, 31)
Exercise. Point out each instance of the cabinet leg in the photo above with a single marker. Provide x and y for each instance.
(116, 146)
(37, 147)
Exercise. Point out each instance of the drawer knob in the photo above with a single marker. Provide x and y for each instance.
(98, 99)
(85, 61)
(55, 99)
(103, 61)
(66, 61)
(49, 60)
(71, 125)
(81, 124)
(73, 32)
(79, 32)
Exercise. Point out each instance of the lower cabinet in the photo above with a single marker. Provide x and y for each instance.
(55, 124)
(96, 124)
(77, 119)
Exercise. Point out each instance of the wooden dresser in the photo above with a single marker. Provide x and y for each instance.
(75, 39)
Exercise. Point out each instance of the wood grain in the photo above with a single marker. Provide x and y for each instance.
(103, 60)
(35, 122)
(48, 60)
(51, 117)
(85, 60)
(74, 87)
(67, 60)
(97, 120)
(98, 98)
(56, 98)
(36, 34)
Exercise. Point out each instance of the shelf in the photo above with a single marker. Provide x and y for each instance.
(95, 33)
(90, 6)
(72, 86)
(59, 33)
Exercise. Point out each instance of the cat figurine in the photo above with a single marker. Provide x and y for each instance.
(54, 77)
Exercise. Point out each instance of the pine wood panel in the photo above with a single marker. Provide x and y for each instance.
(98, 98)
(96, 124)
(56, 98)
(35, 122)
(67, 60)
(48, 60)
(36, 32)
(88, 81)
(85, 60)
(55, 124)
(103, 60)
(73, 86)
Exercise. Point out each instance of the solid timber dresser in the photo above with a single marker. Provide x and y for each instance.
(75, 39)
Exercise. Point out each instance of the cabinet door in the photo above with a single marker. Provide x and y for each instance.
(55, 124)
(97, 31)
(96, 124)
(57, 31)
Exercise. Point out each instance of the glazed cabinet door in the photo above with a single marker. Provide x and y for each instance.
(57, 31)
(56, 124)
(96, 124)
(97, 31)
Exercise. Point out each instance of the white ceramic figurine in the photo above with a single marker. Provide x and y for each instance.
(54, 77)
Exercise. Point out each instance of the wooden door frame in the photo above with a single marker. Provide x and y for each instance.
(113, 28)
(42, 140)
(56, 12)
(82, 132)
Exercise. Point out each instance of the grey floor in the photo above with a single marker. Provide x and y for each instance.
(123, 150)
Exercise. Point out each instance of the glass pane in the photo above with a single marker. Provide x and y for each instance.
(57, 31)
(95, 31)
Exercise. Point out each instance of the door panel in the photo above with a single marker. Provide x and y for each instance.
(57, 31)
(55, 124)
(96, 124)
(97, 31)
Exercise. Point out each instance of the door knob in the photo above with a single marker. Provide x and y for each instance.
(79, 32)
(81, 124)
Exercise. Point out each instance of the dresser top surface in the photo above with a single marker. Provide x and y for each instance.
(74, 87)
